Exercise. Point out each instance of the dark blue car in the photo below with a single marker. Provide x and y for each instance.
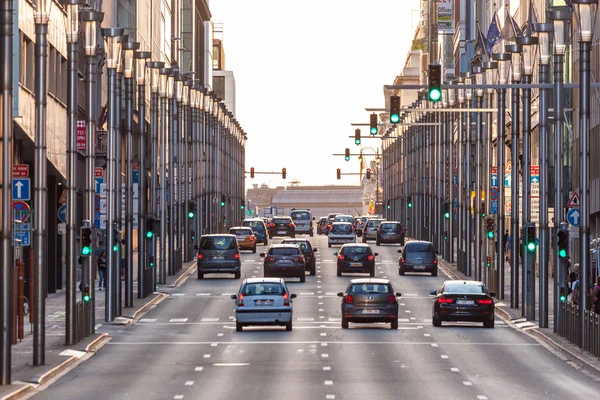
(259, 228)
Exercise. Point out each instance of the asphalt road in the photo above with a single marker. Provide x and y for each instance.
(187, 348)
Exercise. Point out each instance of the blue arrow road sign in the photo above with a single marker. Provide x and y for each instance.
(494, 180)
(21, 188)
(62, 213)
(507, 180)
(534, 178)
(573, 216)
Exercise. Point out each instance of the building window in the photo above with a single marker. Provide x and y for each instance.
(27, 62)
(219, 86)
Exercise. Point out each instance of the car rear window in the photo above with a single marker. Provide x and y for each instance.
(255, 225)
(418, 247)
(284, 251)
(300, 215)
(281, 221)
(374, 222)
(217, 243)
(463, 288)
(254, 289)
(390, 227)
(302, 245)
(341, 228)
(370, 288)
(240, 232)
(356, 250)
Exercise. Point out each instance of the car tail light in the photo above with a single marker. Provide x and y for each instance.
(271, 225)
(348, 299)
(241, 300)
(435, 261)
(269, 259)
(485, 301)
(252, 238)
(299, 260)
(200, 257)
(445, 300)
(292, 225)
(236, 256)
(392, 299)
(341, 257)
(286, 299)
(371, 258)
(402, 260)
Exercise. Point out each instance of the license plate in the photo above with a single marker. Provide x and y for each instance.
(355, 264)
(263, 302)
(370, 312)
(218, 258)
(280, 231)
(465, 302)
(285, 261)
(419, 267)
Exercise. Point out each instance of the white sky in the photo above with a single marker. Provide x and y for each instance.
(304, 71)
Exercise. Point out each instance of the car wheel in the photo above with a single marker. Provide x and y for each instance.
(238, 327)
(328, 244)
(303, 278)
(313, 270)
(401, 271)
(288, 326)
(436, 321)
(200, 275)
(339, 273)
(372, 272)
(488, 324)
(344, 323)
(254, 249)
(237, 274)
(395, 323)
(377, 243)
(434, 272)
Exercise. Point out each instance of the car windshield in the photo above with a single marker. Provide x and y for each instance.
(341, 228)
(254, 289)
(281, 221)
(255, 225)
(463, 288)
(240, 232)
(418, 247)
(217, 243)
(300, 215)
(347, 250)
(284, 251)
(369, 288)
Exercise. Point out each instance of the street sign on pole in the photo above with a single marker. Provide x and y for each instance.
(21, 189)
(573, 216)
(62, 213)
(573, 201)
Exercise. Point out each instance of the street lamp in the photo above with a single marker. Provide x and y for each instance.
(164, 88)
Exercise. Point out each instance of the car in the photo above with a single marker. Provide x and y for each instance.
(284, 260)
(340, 233)
(282, 226)
(322, 226)
(330, 218)
(259, 228)
(418, 256)
(263, 301)
(369, 300)
(219, 253)
(343, 218)
(390, 232)
(303, 220)
(370, 229)
(359, 224)
(307, 250)
(245, 237)
(355, 258)
(463, 301)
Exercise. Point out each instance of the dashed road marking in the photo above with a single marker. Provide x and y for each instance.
(305, 319)
(326, 368)
(178, 397)
(220, 334)
(214, 344)
(467, 383)
(198, 369)
(325, 355)
(327, 383)
(434, 345)
(147, 320)
(323, 334)
(307, 293)
(330, 396)
(189, 383)
(207, 356)
(426, 334)
(481, 397)
(202, 294)
(454, 369)
(209, 319)
(178, 294)
(445, 357)
(178, 320)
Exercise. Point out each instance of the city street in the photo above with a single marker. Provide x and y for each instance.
(187, 348)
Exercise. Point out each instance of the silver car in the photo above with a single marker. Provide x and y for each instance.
(340, 233)
(370, 230)
(263, 301)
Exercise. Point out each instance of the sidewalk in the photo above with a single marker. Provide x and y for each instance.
(26, 377)
(545, 336)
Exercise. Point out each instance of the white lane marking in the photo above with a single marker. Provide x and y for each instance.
(214, 344)
(413, 318)
(445, 357)
(189, 383)
(198, 369)
(285, 342)
(318, 287)
(326, 368)
(209, 319)
(335, 319)
(321, 316)
(323, 344)
(318, 276)
(202, 294)
(327, 383)
(231, 364)
(319, 292)
(178, 320)
(321, 309)
(323, 334)
(147, 320)
(318, 281)
(331, 294)
(409, 294)
(467, 383)
(454, 369)
(385, 277)
(327, 260)
(434, 345)
(402, 304)
(305, 319)
(227, 294)
(178, 397)
(254, 276)
(325, 355)
(403, 320)
(306, 293)
(481, 397)
(330, 396)
(407, 311)
(320, 303)
(207, 356)
(178, 294)
(426, 334)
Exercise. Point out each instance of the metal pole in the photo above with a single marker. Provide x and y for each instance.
(182, 183)
(451, 160)
(162, 277)
(544, 70)
(514, 212)
(561, 266)
(501, 126)
(173, 184)
(120, 218)
(528, 269)
(584, 185)
(154, 191)
(461, 183)
(128, 125)
(488, 155)
(186, 141)
(6, 157)
(40, 188)
(468, 185)
(478, 187)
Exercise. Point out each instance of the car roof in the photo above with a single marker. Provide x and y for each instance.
(280, 216)
(370, 280)
(284, 245)
(419, 241)
(219, 235)
(342, 223)
(391, 222)
(356, 245)
(465, 282)
(344, 215)
(241, 227)
(254, 219)
(294, 240)
(263, 280)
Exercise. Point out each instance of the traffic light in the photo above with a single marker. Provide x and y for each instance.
(373, 124)
(489, 228)
(193, 235)
(357, 136)
(488, 262)
(192, 209)
(117, 240)
(149, 227)
(394, 109)
(483, 213)
(242, 205)
(445, 235)
(563, 243)
(339, 173)
(447, 210)
(86, 294)
(86, 241)
(388, 205)
(563, 294)
(434, 78)
(347, 156)
(151, 261)
(283, 173)
(530, 238)
(223, 200)
(252, 172)
(368, 173)
(409, 201)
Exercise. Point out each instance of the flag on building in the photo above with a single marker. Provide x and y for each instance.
(481, 44)
(493, 33)
(510, 30)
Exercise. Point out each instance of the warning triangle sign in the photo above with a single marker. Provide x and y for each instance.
(573, 201)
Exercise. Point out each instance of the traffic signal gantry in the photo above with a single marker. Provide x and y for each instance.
(254, 172)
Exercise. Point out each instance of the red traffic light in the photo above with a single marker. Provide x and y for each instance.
(339, 173)
(252, 172)
(368, 173)
(283, 173)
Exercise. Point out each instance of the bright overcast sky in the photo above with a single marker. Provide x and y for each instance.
(304, 71)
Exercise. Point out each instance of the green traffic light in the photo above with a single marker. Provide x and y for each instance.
(394, 119)
(86, 251)
(151, 264)
(563, 299)
(447, 215)
(222, 204)
(490, 235)
(435, 94)
(347, 158)
(409, 205)
(149, 234)
(191, 214)
(562, 253)
(86, 298)
(356, 141)
(115, 248)
(531, 246)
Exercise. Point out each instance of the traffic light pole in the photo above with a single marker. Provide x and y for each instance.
(478, 212)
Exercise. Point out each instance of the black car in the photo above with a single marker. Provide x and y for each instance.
(282, 226)
(219, 253)
(369, 300)
(418, 256)
(356, 258)
(307, 250)
(463, 301)
(322, 226)
(390, 232)
(284, 261)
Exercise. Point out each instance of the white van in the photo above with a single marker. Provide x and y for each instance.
(303, 220)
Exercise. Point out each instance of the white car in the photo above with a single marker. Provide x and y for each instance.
(340, 233)
(263, 301)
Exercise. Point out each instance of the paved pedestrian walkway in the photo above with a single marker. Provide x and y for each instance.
(26, 377)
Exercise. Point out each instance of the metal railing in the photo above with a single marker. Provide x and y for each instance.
(592, 328)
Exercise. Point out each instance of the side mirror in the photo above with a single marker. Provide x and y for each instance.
(398, 294)
(262, 254)
(233, 296)
(293, 296)
(335, 253)
(493, 294)
(315, 250)
(433, 292)
(314, 218)
(399, 251)
(340, 294)
(376, 254)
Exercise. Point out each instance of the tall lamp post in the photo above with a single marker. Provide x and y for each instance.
(490, 70)
(40, 186)
(164, 81)
(479, 205)
(72, 7)
(585, 12)
(113, 55)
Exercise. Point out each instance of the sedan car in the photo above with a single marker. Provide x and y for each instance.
(307, 250)
(369, 300)
(463, 301)
(282, 226)
(356, 258)
(418, 256)
(390, 232)
(263, 301)
(219, 253)
(341, 232)
(370, 229)
(284, 260)
(245, 237)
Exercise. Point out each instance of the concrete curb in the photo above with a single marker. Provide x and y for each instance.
(22, 391)
(184, 277)
(146, 307)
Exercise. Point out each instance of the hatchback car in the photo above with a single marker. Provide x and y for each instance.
(284, 260)
(463, 301)
(390, 232)
(322, 226)
(307, 250)
(245, 237)
(259, 228)
(356, 258)
(282, 226)
(263, 301)
(369, 300)
(340, 233)
(343, 218)
(370, 229)
(218, 253)
(418, 256)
